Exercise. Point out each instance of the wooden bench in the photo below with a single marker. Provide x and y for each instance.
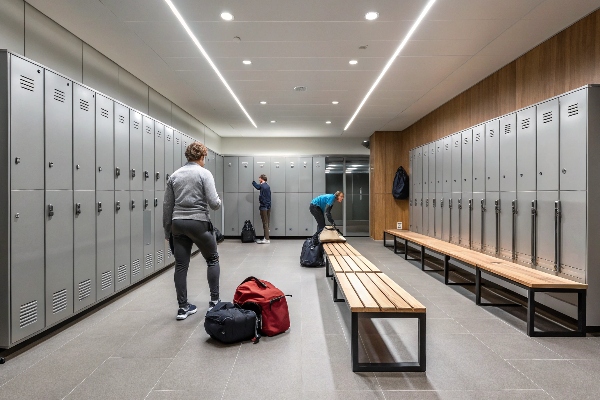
(532, 280)
(370, 293)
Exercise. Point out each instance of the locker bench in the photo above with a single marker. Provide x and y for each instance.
(532, 280)
(342, 257)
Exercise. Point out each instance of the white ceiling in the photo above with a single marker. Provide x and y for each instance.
(309, 43)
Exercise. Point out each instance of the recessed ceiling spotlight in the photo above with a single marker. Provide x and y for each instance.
(352, 62)
(227, 16)
(247, 62)
(327, 122)
(273, 121)
(335, 102)
(371, 15)
(300, 88)
(263, 102)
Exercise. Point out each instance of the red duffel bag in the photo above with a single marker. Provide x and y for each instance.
(268, 302)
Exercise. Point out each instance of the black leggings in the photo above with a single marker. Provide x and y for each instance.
(317, 212)
(185, 233)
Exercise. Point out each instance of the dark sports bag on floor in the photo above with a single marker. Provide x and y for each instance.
(248, 233)
(218, 235)
(312, 253)
(400, 188)
(229, 323)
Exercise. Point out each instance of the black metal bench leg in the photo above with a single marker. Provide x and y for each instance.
(328, 274)
(422, 258)
(335, 292)
(531, 313)
(354, 342)
(384, 239)
(581, 311)
(446, 268)
(405, 249)
(395, 245)
(477, 286)
(422, 342)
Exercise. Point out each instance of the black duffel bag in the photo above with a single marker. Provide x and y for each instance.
(312, 253)
(229, 323)
(248, 233)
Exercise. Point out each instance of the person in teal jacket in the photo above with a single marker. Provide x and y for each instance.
(322, 204)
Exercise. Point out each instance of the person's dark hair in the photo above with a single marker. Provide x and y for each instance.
(263, 177)
(338, 194)
(195, 151)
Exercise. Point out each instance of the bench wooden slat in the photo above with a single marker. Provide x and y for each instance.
(353, 266)
(326, 249)
(370, 305)
(384, 303)
(391, 294)
(341, 249)
(361, 264)
(342, 262)
(414, 303)
(333, 249)
(335, 265)
(352, 249)
(369, 264)
(351, 297)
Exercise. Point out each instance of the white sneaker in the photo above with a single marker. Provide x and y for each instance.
(264, 241)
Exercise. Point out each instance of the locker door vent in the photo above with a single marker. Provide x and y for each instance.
(84, 105)
(59, 95)
(121, 119)
(491, 133)
(169, 254)
(158, 134)
(122, 273)
(27, 83)
(547, 117)
(507, 129)
(59, 301)
(478, 137)
(136, 125)
(177, 140)
(28, 314)
(148, 261)
(148, 130)
(104, 112)
(135, 267)
(85, 289)
(159, 257)
(168, 138)
(573, 110)
(106, 280)
(525, 123)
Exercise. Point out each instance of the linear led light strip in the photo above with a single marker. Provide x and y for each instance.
(214, 67)
(389, 63)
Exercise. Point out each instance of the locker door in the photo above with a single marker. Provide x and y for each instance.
(59, 132)
(489, 224)
(431, 211)
(477, 227)
(418, 175)
(231, 174)
(425, 213)
(438, 203)
(104, 143)
(185, 141)
(84, 254)
(545, 230)
(84, 138)
(418, 212)
(305, 184)
(432, 170)
(446, 216)
(508, 152)
(305, 218)
(136, 146)
(262, 165)
(220, 172)
(277, 179)
(492, 156)
(466, 216)
(319, 175)
(27, 263)
(291, 215)
(105, 243)
(278, 214)
(455, 216)
(479, 158)
(148, 153)
(230, 207)
(159, 156)
(169, 140)
(159, 233)
(59, 255)
(526, 149)
(246, 175)
(456, 163)
(523, 230)
(506, 224)
(27, 125)
(245, 209)
(121, 148)
(292, 175)
(439, 166)
(573, 141)
(137, 234)
(257, 221)
(425, 177)
(122, 240)
(148, 232)
(547, 146)
(573, 223)
(177, 160)
(447, 160)
(412, 177)
(218, 221)
(467, 162)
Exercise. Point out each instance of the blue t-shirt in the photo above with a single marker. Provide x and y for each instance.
(323, 201)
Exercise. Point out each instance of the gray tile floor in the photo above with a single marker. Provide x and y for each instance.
(133, 348)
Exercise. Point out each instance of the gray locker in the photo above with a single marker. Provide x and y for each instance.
(314, 221)
(148, 221)
(59, 255)
(246, 175)
(425, 212)
(185, 142)
(524, 221)
(526, 149)
(278, 214)
(466, 218)
(418, 174)
(490, 237)
(479, 158)
(257, 221)
(425, 174)
(27, 263)
(508, 153)
(136, 139)
(231, 175)
(438, 203)
(573, 140)
(477, 223)
(305, 218)
(122, 240)
(177, 159)
(136, 206)
(547, 145)
(318, 178)
(439, 166)
(432, 170)
(492, 156)
(455, 216)
(230, 208)
(262, 165)
(507, 219)
(291, 215)
(169, 166)
(456, 163)
(292, 175)
(447, 199)
(545, 230)
(467, 161)
(245, 209)
(59, 132)
(431, 212)
(418, 211)
(148, 154)
(447, 163)
(27, 125)
(219, 176)
(105, 243)
(84, 244)
(210, 163)
(159, 156)
(277, 179)
(413, 186)
(573, 241)
(84, 138)
(121, 148)
(218, 221)
(104, 143)
(305, 165)
(159, 233)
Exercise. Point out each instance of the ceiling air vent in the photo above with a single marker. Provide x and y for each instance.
(300, 88)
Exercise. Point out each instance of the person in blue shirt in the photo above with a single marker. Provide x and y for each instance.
(322, 204)
(264, 201)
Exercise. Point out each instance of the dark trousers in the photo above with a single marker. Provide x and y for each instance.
(317, 212)
(185, 233)
(265, 216)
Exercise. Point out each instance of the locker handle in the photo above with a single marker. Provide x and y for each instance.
(497, 207)
(557, 235)
(50, 210)
(118, 206)
(18, 160)
(146, 175)
(77, 208)
(50, 164)
(133, 172)
(533, 231)
(99, 169)
(78, 166)
(132, 204)
(483, 210)
(157, 175)
(117, 171)
(145, 203)
(470, 223)
(99, 206)
(514, 229)
(460, 204)
(155, 202)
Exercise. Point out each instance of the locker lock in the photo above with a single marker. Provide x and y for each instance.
(133, 172)
(146, 175)
(155, 202)
(78, 166)
(460, 204)
(564, 171)
(117, 171)
(50, 210)
(18, 160)
(118, 206)
(157, 175)
(497, 206)
(167, 177)
(77, 208)
(17, 215)
(99, 169)
(145, 203)
(132, 204)
(50, 164)
(514, 207)
(99, 206)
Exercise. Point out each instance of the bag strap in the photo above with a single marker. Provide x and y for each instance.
(258, 281)
(219, 306)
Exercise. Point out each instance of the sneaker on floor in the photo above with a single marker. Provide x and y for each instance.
(264, 241)
(183, 313)
(213, 303)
